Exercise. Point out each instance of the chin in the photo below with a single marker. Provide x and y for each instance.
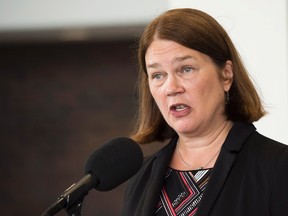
(184, 129)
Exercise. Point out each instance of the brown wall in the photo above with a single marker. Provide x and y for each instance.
(59, 101)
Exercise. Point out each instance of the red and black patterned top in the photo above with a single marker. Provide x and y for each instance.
(181, 192)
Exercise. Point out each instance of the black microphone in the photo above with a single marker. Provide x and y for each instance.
(107, 167)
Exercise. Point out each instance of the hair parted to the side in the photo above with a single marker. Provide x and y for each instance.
(199, 31)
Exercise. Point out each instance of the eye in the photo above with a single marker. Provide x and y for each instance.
(156, 76)
(187, 69)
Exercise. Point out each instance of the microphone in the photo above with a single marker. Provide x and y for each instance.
(110, 165)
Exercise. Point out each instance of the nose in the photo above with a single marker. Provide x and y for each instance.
(173, 86)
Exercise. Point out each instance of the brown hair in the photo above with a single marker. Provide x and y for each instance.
(199, 31)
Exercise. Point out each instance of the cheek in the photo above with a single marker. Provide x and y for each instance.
(214, 94)
(154, 94)
(207, 90)
(158, 96)
(152, 91)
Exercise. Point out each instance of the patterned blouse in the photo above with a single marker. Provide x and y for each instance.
(181, 192)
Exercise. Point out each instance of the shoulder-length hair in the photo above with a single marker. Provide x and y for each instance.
(199, 31)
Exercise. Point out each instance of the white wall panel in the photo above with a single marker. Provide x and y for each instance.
(35, 14)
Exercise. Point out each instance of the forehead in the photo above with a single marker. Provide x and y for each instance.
(161, 51)
(163, 47)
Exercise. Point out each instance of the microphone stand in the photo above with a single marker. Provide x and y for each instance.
(72, 197)
(71, 210)
(75, 210)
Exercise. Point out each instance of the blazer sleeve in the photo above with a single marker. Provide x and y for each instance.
(279, 197)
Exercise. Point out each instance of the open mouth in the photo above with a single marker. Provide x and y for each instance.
(179, 107)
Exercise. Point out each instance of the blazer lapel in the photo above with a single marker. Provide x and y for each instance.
(159, 169)
(230, 149)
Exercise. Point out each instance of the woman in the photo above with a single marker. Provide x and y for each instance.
(195, 91)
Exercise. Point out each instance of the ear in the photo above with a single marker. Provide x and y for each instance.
(227, 75)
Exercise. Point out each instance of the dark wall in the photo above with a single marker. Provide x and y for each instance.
(59, 101)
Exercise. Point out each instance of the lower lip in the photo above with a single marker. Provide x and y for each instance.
(181, 113)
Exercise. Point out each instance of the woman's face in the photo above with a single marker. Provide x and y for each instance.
(187, 87)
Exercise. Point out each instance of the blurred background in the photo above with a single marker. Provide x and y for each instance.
(68, 75)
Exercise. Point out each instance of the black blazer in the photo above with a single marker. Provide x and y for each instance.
(250, 178)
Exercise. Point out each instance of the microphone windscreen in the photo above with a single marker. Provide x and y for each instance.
(114, 162)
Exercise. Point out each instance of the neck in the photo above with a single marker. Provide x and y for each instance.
(206, 140)
(201, 152)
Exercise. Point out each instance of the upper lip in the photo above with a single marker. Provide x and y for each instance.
(173, 106)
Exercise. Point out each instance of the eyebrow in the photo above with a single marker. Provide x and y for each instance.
(182, 58)
(154, 65)
(178, 59)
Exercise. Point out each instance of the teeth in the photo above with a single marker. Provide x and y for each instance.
(180, 108)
